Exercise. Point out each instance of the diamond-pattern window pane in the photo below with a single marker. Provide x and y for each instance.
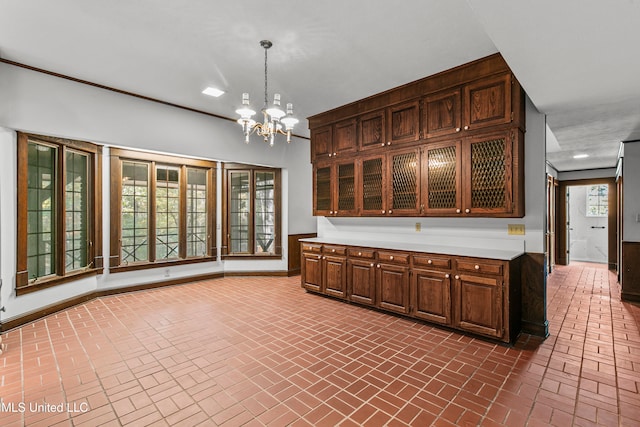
(372, 184)
(442, 178)
(346, 187)
(404, 180)
(323, 189)
(488, 174)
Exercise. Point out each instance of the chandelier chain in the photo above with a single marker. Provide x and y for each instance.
(265, 77)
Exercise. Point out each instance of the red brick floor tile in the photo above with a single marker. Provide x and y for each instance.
(134, 361)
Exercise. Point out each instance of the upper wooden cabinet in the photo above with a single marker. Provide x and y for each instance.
(334, 140)
(466, 126)
(334, 188)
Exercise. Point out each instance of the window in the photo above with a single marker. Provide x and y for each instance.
(252, 207)
(163, 210)
(598, 200)
(58, 211)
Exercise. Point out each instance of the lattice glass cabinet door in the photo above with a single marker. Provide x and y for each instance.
(346, 189)
(404, 180)
(442, 178)
(373, 186)
(323, 205)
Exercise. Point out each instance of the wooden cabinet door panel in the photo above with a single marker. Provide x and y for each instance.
(344, 137)
(371, 130)
(479, 305)
(487, 102)
(442, 113)
(431, 291)
(362, 281)
(404, 123)
(335, 275)
(321, 143)
(393, 287)
(312, 272)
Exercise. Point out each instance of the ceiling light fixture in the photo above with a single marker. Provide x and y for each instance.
(212, 91)
(274, 117)
(580, 156)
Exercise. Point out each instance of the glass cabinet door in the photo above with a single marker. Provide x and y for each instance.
(346, 189)
(489, 173)
(323, 193)
(404, 183)
(441, 172)
(372, 191)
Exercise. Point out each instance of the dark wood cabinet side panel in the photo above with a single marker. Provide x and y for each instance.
(630, 271)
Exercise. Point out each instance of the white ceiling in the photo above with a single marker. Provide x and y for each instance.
(578, 60)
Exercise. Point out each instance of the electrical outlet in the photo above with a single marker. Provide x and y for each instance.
(418, 226)
(167, 272)
(516, 229)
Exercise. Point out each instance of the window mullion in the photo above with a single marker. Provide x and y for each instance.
(182, 226)
(252, 212)
(152, 211)
(60, 245)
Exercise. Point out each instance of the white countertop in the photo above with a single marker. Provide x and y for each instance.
(492, 253)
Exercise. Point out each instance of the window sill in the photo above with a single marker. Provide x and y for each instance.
(251, 256)
(159, 264)
(49, 282)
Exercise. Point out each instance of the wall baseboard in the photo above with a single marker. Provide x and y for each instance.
(62, 305)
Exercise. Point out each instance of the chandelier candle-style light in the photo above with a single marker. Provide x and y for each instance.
(274, 117)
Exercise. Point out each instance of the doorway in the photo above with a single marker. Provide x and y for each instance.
(587, 218)
(584, 246)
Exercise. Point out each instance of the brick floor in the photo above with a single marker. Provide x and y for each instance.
(262, 352)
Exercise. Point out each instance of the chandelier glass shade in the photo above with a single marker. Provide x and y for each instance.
(275, 120)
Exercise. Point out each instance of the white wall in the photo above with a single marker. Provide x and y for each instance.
(587, 174)
(476, 232)
(631, 192)
(43, 104)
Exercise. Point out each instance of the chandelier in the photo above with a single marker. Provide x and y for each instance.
(273, 117)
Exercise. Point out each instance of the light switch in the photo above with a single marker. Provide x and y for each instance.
(516, 229)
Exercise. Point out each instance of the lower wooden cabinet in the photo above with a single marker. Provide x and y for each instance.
(476, 295)
(334, 270)
(392, 285)
(361, 281)
(479, 304)
(431, 291)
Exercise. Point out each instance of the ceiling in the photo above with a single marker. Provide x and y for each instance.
(578, 61)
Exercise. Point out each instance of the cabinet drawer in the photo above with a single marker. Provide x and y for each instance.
(397, 258)
(309, 247)
(479, 267)
(336, 250)
(430, 261)
(361, 253)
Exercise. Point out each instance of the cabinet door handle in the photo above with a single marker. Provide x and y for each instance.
(466, 128)
(329, 154)
(429, 262)
(378, 265)
(359, 253)
(388, 142)
(457, 277)
(333, 250)
(446, 276)
(391, 257)
(467, 210)
(371, 264)
(383, 144)
(335, 154)
(383, 211)
(390, 211)
(335, 212)
(477, 267)
(457, 210)
(324, 257)
(457, 129)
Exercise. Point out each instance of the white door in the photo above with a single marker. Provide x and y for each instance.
(587, 228)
